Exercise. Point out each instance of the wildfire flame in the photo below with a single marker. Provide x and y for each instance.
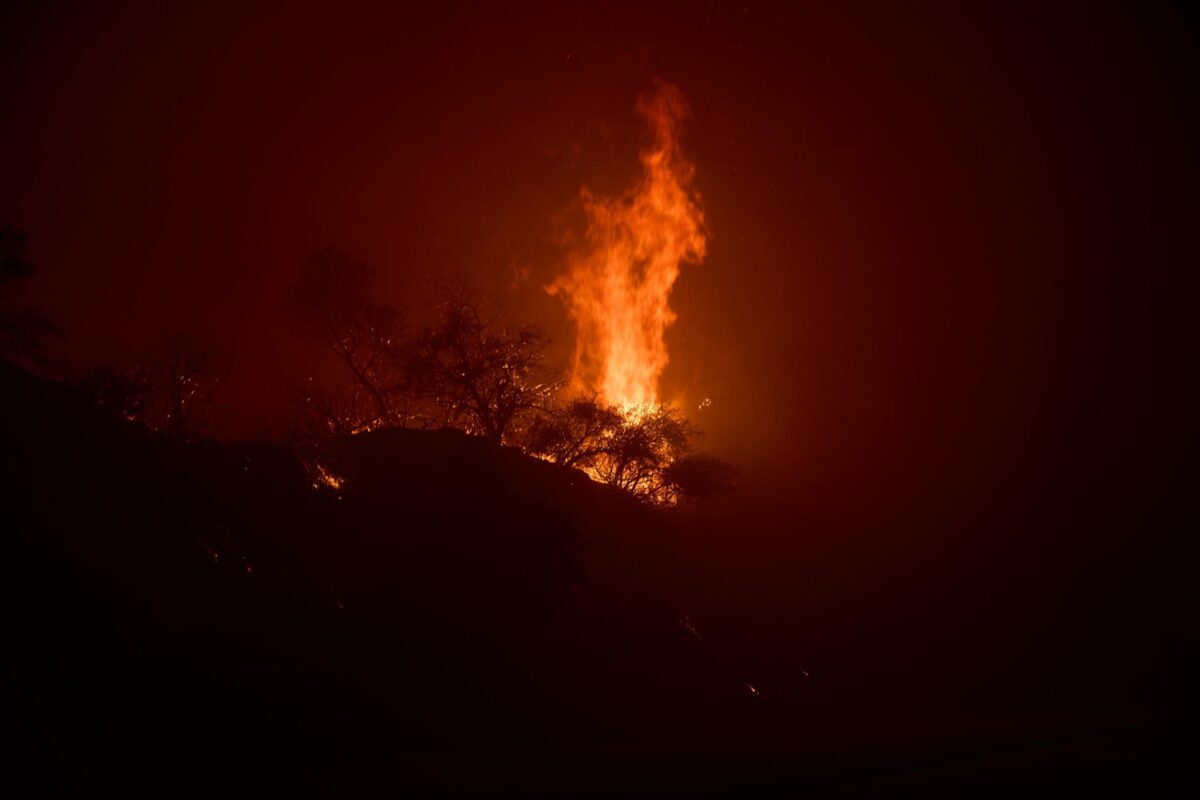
(617, 286)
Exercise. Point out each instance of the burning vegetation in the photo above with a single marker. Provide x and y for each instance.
(476, 370)
(473, 368)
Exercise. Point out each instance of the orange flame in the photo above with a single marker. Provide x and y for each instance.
(617, 287)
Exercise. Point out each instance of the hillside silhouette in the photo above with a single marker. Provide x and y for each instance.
(205, 604)
(455, 616)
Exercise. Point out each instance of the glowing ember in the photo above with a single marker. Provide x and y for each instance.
(690, 626)
(617, 287)
(325, 478)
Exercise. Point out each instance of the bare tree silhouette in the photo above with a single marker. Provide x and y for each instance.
(640, 450)
(184, 373)
(631, 450)
(169, 389)
(330, 303)
(480, 372)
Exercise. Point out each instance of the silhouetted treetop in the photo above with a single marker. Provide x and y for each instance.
(22, 330)
(576, 433)
(484, 373)
(629, 449)
(330, 303)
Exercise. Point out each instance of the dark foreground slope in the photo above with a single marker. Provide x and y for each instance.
(455, 617)
(204, 611)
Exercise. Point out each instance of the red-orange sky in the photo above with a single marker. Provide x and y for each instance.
(937, 238)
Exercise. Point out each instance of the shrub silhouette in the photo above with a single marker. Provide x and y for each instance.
(697, 477)
(628, 449)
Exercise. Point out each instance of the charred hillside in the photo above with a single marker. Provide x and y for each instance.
(451, 615)
(205, 603)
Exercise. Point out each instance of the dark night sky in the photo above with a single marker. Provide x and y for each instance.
(942, 245)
